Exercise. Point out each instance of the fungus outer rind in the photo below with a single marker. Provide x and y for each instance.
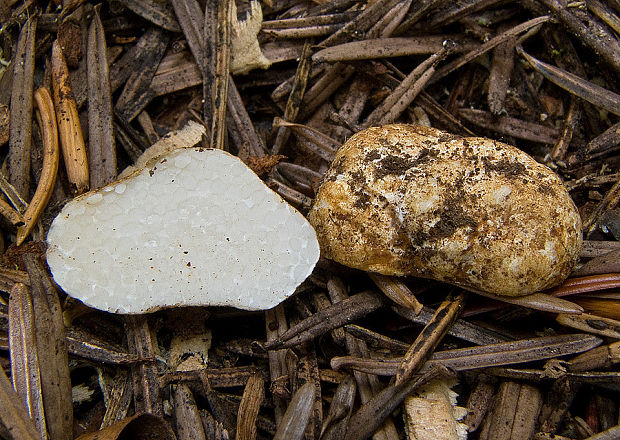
(411, 200)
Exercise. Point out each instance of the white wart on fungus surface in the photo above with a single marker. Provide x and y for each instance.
(187, 227)
(410, 200)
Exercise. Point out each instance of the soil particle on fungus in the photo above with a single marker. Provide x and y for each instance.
(392, 165)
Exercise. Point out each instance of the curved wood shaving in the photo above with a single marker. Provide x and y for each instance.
(51, 156)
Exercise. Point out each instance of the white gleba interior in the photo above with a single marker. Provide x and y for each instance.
(195, 227)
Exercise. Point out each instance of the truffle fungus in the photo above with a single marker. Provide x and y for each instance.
(189, 227)
(411, 200)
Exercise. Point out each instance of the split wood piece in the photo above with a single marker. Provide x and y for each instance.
(219, 50)
(586, 90)
(51, 350)
(397, 291)
(137, 92)
(484, 48)
(506, 125)
(368, 385)
(25, 366)
(430, 336)
(340, 410)
(51, 156)
(515, 414)
(499, 77)
(160, 14)
(479, 402)
(69, 129)
(13, 414)
(94, 349)
(593, 324)
(295, 98)
(20, 124)
(338, 314)
(222, 377)
(12, 195)
(570, 125)
(461, 329)
(146, 124)
(240, 128)
(186, 414)
(492, 355)
(311, 138)
(372, 414)
(276, 325)
(146, 388)
(297, 416)
(101, 147)
(403, 95)
(253, 396)
(116, 396)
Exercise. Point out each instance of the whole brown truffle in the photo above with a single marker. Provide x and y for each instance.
(411, 200)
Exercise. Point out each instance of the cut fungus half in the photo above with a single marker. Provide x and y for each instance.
(190, 227)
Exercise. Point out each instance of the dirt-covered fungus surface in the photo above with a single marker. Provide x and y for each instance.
(360, 219)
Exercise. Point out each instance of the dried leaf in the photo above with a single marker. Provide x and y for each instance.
(297, 414)
(570, 82)
(69, 128)
(101, 146)
(159, 13)
(138, 427)
(253, 396)
(20, 134)
(51, 350)
(51, 157)
(25, 367)
(13, 415)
